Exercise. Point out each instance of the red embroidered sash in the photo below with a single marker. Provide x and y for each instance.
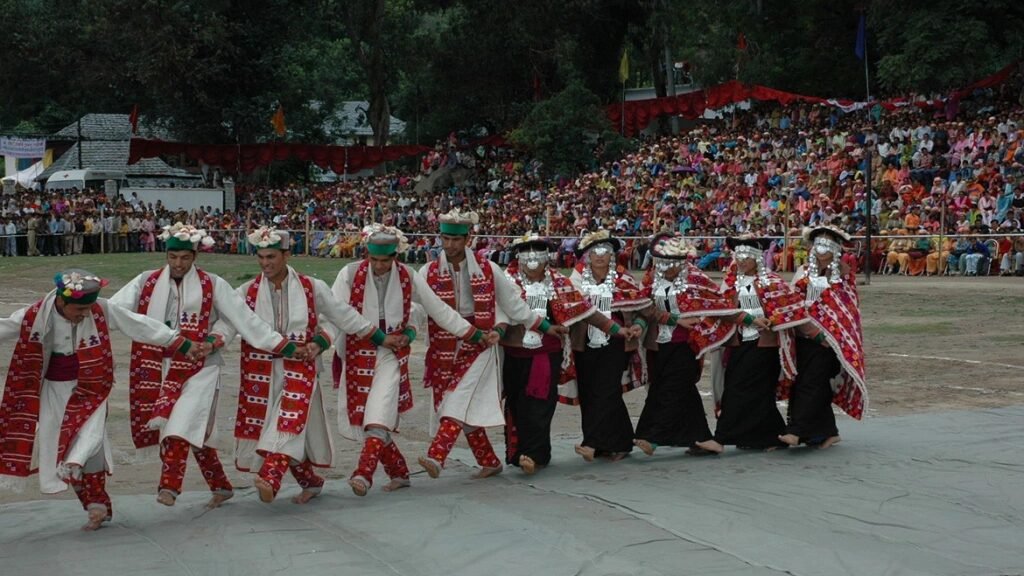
(257, 368)
(361, 353)
(701, 298)
(837, 314)
(567, 306)
(447, 361)
(151, 394)
(19, 410)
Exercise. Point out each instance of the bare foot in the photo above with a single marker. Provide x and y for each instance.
(305, 496)
(396, 484)
(488, 471)
(710, 446)
(166, 497)
(527, 464)
(644, 446)
(265, 489)
(359, 486)
(616, 456)
(433, 468)
(791, 439)
(830, 442)
(219, 498)
(586, 452)
(97, 515)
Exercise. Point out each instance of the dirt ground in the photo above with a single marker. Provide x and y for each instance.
(933, 344)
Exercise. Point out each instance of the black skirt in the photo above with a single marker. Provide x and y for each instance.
(810, 399)
(528, 419)
(606, 424)
(674, 412)
(748, 416)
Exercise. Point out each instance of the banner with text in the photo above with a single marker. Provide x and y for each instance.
(22, 147)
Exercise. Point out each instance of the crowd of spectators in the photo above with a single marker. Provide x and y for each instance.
(770, 170)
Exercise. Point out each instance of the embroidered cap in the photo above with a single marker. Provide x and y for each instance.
(747, 245)
(270, 237)
(457, 222)
(669, 247)
(383, 240)
(77, 286)
(184, 237)
(531, 242)
(594, 239)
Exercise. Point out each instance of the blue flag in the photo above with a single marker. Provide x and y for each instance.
(862, 38)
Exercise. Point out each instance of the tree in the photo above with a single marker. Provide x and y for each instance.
(563, 131)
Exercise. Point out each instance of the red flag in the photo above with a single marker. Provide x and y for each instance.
(133, 119)
(741, 42)
(277, 121)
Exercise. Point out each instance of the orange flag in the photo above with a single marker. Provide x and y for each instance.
(277, 121)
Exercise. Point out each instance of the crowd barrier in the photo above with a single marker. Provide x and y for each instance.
(311, 243)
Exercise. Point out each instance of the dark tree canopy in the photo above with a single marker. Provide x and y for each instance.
(214, 71)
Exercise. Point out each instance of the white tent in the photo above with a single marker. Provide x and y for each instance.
(25, 178)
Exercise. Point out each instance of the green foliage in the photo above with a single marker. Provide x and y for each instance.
(215, 70)
(563, 131)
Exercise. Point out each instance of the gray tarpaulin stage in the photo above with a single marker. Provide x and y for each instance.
(930, 494)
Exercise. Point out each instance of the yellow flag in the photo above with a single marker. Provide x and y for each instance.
(278, 121)
(624, 67)
(47, 157)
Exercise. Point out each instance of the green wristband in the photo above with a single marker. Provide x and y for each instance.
(289, 350)
(673, 319)
(378, 337)
(748, 319)
(614, 329)
(544, 325)
(500, 331)
(322, 342)
(185, 346)
(477, 336)
(640, 322)
(410, 333)
(820, 337)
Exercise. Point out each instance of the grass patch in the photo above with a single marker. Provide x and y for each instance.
(38, 272)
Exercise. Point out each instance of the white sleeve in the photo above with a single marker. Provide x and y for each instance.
(225, 329)
(510, 302)
(340, 316)
(253, 328)
(445, 316)
(10, 327)
(128, 296)
(138, 327)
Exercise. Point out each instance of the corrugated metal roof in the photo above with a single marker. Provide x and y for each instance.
(109, 127)
(110, 155)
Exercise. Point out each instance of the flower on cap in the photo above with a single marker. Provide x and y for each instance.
(72, 285)
(372, 229)
(264, 236)
(456, 215)
(676, 246)
(186, 233)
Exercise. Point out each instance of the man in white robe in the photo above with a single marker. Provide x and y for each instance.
(54, 410)
(374, 383)
(174, 401)
(281, 423)
(465, 378)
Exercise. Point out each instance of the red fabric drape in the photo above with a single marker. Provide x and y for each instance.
(640, 113)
